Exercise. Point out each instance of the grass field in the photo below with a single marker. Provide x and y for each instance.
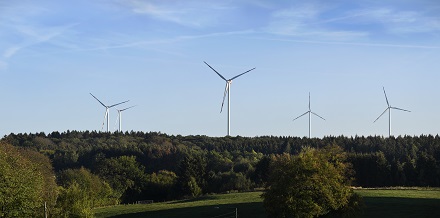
(401, 203)
(379, 203)
(248, 204)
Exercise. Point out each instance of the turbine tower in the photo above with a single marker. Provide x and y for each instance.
(310, 112)
(227, 90)
(389, 112)
(120, 116)
(107, 115)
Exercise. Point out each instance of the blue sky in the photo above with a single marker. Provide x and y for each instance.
(54, 53)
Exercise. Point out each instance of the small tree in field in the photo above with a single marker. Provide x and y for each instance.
(308, 185)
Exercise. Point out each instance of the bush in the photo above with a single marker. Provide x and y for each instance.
(308, 185)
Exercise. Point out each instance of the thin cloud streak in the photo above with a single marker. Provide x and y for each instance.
(353, 43)
(306, 21)
(187, 13)
(396, 21)
(314, 20)
(32, 37)
(142, 43)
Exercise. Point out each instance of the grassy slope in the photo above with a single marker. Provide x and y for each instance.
(249, 204)
(379, 203)
(401, 203)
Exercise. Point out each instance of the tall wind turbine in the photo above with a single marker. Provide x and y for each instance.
(310, 112)
(107, 111)
(120, 116)
(389, 112)
(228, 91)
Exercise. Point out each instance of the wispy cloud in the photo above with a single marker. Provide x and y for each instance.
(354, 43)
(147, 43)
(398, 21)
(31, 35)
(25, 26)
(321, 21)
(186, 13)
(306, 21)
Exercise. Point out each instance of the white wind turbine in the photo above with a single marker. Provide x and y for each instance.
(107, 111)
(120, 116)
(389, 112)
(310, 112)
(227, 90)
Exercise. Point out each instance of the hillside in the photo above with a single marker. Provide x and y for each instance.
(157, 166)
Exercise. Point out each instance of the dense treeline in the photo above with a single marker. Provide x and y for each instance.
(138, 166)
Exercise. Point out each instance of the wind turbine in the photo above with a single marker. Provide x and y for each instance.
(310, 112)
(389, 112)
(228, 91)
(107, 111)
(120, 116)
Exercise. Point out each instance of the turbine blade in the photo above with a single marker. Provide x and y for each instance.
(381, 114)
(105, 117)
(386, 96)
(317, 115)
(118, 103)
(117, 119)
(98, 100)
(400, 109)
(242, 73)
(127, 108)
(301, 115)
(216, 71)
(224, 95)
(309, 102)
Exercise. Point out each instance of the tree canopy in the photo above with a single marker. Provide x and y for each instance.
(310, 184)
(156, 166)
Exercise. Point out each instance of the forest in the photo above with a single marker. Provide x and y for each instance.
(135, 166)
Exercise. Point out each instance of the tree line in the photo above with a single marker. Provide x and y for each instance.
(110, 168)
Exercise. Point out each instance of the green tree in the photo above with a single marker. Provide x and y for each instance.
(21, 185)
(74, 202)
(125, 175)
(44, 166)
(310, 184)
(97, 192)
(192, 175)
(160, 185)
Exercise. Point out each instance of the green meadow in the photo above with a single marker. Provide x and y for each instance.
(378, 203)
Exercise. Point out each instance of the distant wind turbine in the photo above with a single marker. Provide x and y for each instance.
(310, 112)
(227, 90)
(120, 116)
(389, 112)
(107, 111)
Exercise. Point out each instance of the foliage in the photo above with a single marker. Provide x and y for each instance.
(160, 185)
(222, 164)
(125, 175)
(44, 166)
(81, 191)
(310, 184)
(192, 175)
(96, 191)
(74, 202)
(21, 185)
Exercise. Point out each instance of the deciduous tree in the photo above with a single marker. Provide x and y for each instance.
(310, 184)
